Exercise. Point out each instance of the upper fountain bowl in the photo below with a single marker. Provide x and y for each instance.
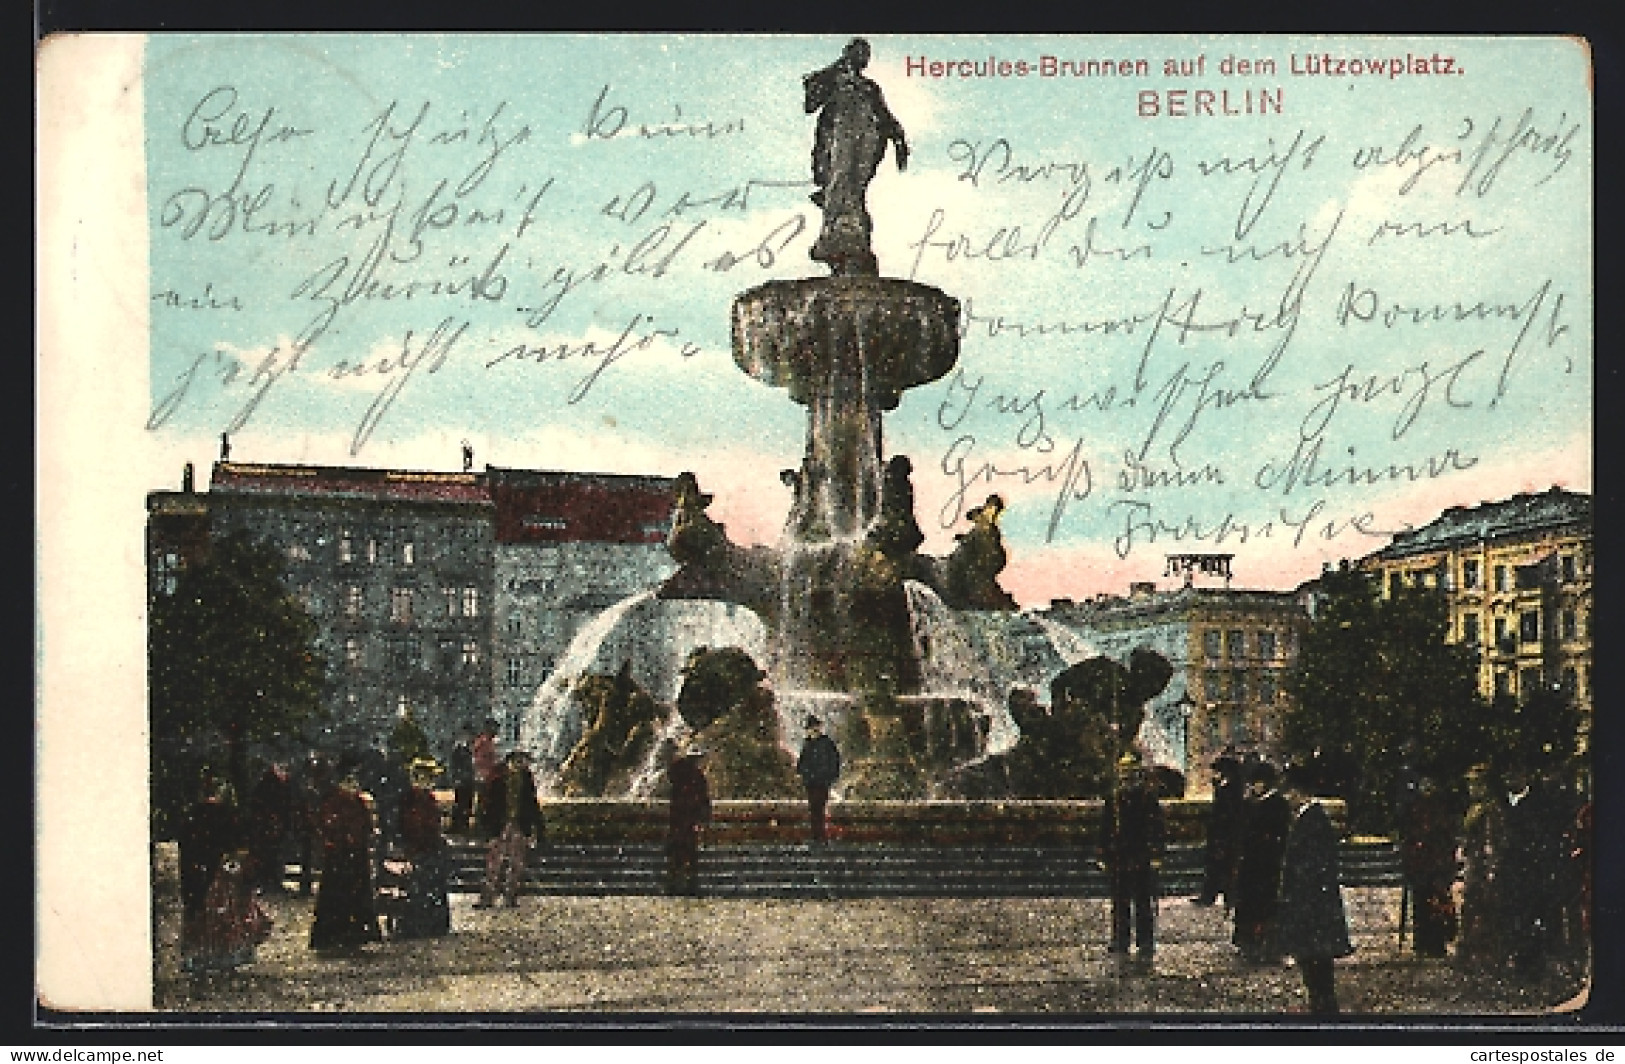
(897, 334)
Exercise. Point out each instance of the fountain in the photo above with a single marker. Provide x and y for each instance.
(860, 624)
(908, 658)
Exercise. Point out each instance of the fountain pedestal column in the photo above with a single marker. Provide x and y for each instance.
(846, 348)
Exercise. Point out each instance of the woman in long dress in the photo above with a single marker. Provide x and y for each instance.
(424, 913)
(346, 911)
(222, 920)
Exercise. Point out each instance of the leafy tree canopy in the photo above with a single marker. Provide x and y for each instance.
(232, 659)
(1376, 679)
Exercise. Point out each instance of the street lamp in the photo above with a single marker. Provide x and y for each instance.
(1186, 706)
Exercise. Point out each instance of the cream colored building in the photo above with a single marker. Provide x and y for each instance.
(1517, 574)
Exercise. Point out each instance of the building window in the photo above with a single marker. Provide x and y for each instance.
(1500, 578)
(1396, 581)
(1236, 644)
(1500, 630)
(1210, 643)
(471, 653)
(516, 672)
(403, 705)
(1566, 565)
(407, 553)
(372, 552)
(1469, 629)
(516, 627)
(352, 653)
(1503, 682)
(353, 601)
(1269, 687)
(471, 602)
(400, 604)
(1267, 647)
(1529, 626)
(405, 653)
(1528, 681)
(346, 547)
(1469, 574)
(167, 569)
(1238, 685)
(1571, 680)
(297, 551)
(1571, 624)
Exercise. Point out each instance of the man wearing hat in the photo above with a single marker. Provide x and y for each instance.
(819, 767)
(1312, 926)
(1131, 846)
(513, 817)
(1266, 816)
(1223, 820)
(690, 809)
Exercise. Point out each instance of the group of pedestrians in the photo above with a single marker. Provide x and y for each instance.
(1507, 879)
(1524, 850)
(1271, 854)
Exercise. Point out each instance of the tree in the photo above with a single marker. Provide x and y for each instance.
(232, 659)
(1376, 677)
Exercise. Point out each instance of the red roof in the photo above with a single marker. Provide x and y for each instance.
(542, 507)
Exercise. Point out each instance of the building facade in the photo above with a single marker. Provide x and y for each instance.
(417, 580)
(567, 547)
(1230, 650)
(1517, 576)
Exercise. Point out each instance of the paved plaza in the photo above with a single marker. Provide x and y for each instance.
(949, 958)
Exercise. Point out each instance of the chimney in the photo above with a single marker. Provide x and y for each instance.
(187, 479)
(1142, 589)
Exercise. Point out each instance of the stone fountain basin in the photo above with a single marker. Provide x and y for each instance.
(890, 333)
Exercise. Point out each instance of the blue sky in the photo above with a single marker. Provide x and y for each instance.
(1393, 270)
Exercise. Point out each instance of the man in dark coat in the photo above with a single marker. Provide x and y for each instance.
(1532, 847)
(690, 811)
(1131, 845)
(819, 767)
(1311, 925)
(270, 815)
(1265, 820)
(512, 817)
(1428, 861)
(1223, 822)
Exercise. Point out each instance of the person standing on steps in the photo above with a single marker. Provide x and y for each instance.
(819, 767)
(690, 811)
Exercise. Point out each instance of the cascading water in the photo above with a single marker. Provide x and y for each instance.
(1072, 647)
(655, 636)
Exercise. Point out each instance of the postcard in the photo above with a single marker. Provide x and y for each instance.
(787, 525)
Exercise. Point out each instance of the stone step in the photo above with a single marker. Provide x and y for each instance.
(859, 870)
